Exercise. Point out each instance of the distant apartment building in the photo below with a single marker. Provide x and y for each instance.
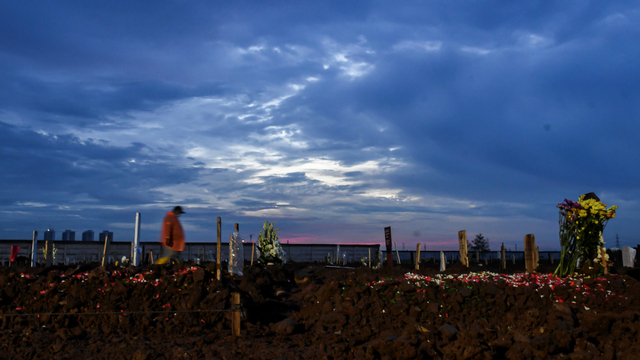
(106, 233)
(87, 235)
(69, 235)
(50, 234)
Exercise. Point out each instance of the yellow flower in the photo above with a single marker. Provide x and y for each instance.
(583, 213)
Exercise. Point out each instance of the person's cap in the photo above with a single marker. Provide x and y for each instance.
(178, 210)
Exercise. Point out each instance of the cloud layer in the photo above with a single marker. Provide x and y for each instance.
(332, 120)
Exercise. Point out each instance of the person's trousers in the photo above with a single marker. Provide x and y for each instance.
(168, 255)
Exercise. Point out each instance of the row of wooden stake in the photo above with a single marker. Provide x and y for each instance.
(531, 254)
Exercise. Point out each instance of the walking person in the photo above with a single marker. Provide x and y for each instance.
(171, 236)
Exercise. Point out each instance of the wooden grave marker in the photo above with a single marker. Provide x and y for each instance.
(388, 243)
(418, 256)
(462, 243)
(530, 253)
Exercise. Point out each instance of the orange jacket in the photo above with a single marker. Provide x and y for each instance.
(172, 235)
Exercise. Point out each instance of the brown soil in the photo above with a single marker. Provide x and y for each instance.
(308, 311)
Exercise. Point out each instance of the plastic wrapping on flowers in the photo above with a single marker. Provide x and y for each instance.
(236, 255)
(581, 226)
(269, 249)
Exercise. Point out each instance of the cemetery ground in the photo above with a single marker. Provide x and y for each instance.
(310, 311)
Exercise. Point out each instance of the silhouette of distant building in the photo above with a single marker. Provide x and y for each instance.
(87, 235)
(50, 234)
(106, 233)
(69, 235)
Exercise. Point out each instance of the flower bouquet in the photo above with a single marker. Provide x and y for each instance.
(581, 225)
(269, 249)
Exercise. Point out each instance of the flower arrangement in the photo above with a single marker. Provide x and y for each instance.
(581, 225)
(269, 248)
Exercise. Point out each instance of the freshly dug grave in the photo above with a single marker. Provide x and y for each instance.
(306, 311)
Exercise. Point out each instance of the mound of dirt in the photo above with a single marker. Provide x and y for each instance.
(309, 311)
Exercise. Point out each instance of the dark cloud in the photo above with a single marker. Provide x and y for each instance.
(62, 170)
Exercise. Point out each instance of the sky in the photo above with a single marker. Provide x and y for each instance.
(334, 120)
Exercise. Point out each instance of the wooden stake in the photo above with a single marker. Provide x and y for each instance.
(537, 257)
(418, 256)
(218, 265)
(34, 249)
(551, 258)
(106, 249)
(397, 253)
(47, 251)
(443, 261)
(253, 250)
(503, 258)
(151, 257)
(235, 313)
(530, 253)
(462, 243)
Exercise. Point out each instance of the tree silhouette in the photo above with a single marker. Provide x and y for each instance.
(479, 243)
